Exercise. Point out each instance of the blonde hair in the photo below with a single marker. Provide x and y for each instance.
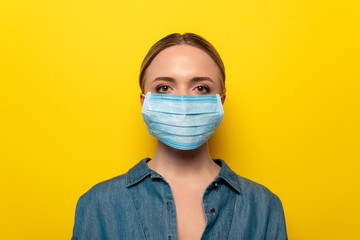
(179, 39)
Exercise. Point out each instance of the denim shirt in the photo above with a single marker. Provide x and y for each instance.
(139, 205)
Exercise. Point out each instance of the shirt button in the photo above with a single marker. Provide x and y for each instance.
(212, 210)
(216, 184)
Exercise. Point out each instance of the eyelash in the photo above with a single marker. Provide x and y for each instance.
(207, 89)
(159, 89)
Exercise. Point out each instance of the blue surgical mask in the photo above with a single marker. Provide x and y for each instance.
(182, 121)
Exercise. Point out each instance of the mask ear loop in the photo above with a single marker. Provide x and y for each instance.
(144, 95)
(222, 94)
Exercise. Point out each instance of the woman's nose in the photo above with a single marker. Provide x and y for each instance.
(184, 90)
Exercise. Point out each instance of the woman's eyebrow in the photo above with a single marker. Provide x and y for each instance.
(199, 79)
(168, 79)
(194, 79)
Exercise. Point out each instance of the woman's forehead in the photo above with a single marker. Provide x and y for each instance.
(182, 60)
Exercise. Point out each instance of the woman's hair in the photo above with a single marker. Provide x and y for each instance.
(179, 39)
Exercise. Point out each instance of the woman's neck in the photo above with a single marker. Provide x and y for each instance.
(173, 163)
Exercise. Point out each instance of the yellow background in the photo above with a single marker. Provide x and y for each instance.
(70, 111)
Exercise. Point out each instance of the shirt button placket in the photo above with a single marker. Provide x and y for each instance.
(168, 208)
(212, 210)
(210, 205)
(172, 220)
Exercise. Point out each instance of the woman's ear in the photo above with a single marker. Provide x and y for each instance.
(142, 98)
(223, 98)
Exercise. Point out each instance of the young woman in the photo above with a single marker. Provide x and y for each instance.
(181, 192)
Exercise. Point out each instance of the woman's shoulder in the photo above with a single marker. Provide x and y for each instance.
(249, 190)
(114, 188)
(105, 190)
(252, 190)
(259, 198)
(260, 207)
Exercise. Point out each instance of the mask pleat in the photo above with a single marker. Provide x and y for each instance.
(182, 131)
(183, 107)
(182, 120)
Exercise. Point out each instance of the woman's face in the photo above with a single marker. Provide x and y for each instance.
(183, 70)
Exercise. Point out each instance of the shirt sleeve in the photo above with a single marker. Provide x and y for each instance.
(79, 220)
(276, 229)
(87, 225)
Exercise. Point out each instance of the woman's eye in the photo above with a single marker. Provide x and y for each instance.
(162, 89)
(202, 89)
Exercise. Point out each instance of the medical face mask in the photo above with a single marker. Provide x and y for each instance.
(182, 121)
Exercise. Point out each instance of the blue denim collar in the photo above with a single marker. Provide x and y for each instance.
(141, 170)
